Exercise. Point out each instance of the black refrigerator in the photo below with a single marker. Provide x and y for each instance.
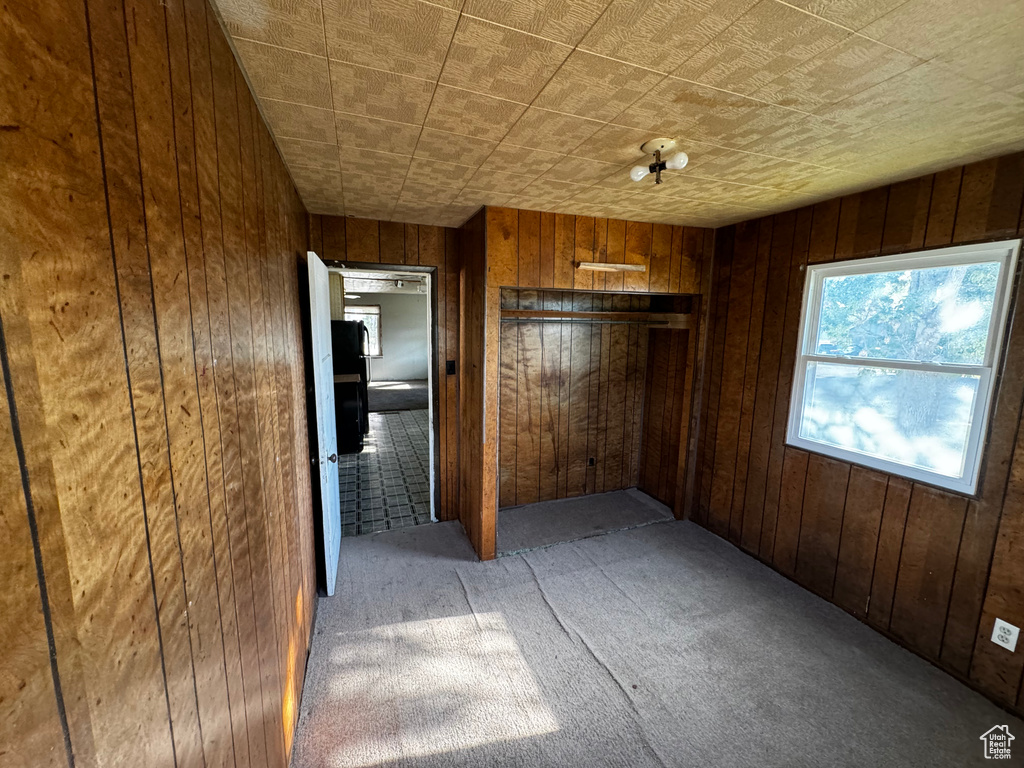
(349, 344)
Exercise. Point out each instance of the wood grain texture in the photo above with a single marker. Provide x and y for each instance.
(596, 408)
(931, 568)
(151, 326)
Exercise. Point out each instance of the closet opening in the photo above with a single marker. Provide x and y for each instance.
(593, 410)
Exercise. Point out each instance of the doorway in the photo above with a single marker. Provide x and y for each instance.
(387, 481)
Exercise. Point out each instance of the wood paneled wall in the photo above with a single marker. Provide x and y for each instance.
(473, 483)
(570, 393)
(666, 424)
(528, 249)
(154, 485)
(931, 568)
(367, 241)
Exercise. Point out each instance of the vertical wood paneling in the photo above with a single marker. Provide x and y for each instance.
(30, 707)
(750, 525)
(584, 251)
(865, 500)
(930, 567)
(821, 524)
(615, 250)
(889, 548)
(473, 498)
(737, 323)
(143, 352)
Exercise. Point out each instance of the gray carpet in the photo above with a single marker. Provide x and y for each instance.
(397, 395)
(551, 522)
(657, 646)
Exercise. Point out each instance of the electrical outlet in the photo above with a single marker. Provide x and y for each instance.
(1005, 634)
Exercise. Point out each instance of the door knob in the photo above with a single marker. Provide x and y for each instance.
(333, 458)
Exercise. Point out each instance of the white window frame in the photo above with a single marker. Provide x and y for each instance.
(1005, 252)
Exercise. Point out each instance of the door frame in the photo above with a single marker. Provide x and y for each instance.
(433, 374)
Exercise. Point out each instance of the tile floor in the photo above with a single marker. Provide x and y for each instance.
(387, 486)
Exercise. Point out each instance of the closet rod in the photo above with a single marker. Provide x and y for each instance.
(581, 320)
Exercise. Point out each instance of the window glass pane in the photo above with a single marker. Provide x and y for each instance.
(940, 314)
(917, 418)
(370, 316)
(373, 327)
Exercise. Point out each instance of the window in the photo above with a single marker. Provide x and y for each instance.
(370, 315)
(896, 360)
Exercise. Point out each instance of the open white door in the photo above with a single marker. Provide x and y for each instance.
(326, 430)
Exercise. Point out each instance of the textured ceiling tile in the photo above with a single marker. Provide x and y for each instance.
(498, 181)
(852, 66)
(617, 144)
(435, 194)
(679, 108)
(425, 171)
(899, 96)
(373, 133)
(602, 196)
(380, 163)
(479, 197)
(320, 178)
(565, 21)
(276, 73)
(853, 14)
(453, 148)
(473, 114)
(747, 168)
(295, 121)
(502, 62)
(811, 140)
(580, 170)
(552, 190)
(362, 210)
(369, 186)
(678, 184)
(660, 34)
(767, 41)
(526, 202)
(371, 92)
(553, 131)
(309, 154)
(996, 59)
(595, 87)
(880, 115)
(422, 213)
(296, 24)
(927, 28)
(325, 207)
(521, 160)
(404, 36)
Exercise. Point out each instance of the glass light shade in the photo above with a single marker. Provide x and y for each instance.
(677, 162)
(639, 172)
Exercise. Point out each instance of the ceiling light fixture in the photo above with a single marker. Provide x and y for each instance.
(674, 162)
(601, 266)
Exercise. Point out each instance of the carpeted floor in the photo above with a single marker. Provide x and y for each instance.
(397, 395)
(656, 646)
(551, 522)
